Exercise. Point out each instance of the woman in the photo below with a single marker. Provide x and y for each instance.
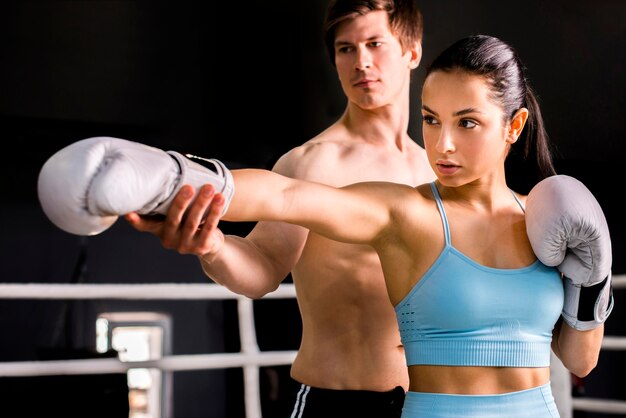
(478, 313)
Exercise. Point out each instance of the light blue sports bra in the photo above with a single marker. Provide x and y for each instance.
(462, 313)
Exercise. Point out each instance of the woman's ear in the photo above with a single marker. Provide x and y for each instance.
(517, 125)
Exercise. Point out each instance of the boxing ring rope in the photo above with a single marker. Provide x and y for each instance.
(250, 358)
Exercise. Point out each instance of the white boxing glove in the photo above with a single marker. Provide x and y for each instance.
(567, 228)
(84, 187)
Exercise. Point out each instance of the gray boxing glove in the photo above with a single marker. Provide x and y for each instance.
(84, 187)
(567, 228)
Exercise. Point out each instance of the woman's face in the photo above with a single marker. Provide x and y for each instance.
(465, 134)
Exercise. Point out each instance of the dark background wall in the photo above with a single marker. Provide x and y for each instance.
(155, 72)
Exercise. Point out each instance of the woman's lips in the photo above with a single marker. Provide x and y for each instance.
(447, 169)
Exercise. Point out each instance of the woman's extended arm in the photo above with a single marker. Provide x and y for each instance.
(357, 213)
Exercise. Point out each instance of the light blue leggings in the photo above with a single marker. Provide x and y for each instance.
(531, 403)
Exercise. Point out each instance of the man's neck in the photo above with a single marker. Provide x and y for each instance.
(384, 125)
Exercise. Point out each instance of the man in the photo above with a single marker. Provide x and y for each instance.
(350, 352)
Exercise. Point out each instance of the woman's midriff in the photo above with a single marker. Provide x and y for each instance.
(472, 380)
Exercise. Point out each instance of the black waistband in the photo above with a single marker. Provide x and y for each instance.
(352, 395)
(314, 402)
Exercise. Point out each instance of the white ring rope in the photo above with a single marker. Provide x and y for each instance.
(614, 343)
(151, 291)
(607, 406)
(129, 291)
(248, 342)
(250, 357)
(169, 363)
(619, 281)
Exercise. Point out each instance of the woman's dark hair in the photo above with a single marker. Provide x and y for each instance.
(499, 63)
(405, 19)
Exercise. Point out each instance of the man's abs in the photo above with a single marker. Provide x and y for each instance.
(350, 338)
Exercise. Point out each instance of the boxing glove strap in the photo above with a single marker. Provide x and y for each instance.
(587, 307)
(205, 162)
(197, 171)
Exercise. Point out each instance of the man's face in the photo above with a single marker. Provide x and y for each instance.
(372, 68)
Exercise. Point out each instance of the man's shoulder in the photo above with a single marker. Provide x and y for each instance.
(303, 161)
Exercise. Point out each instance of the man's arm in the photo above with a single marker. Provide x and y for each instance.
(252, 266)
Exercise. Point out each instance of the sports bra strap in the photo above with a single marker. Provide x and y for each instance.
(521, 205)
(442, 212)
